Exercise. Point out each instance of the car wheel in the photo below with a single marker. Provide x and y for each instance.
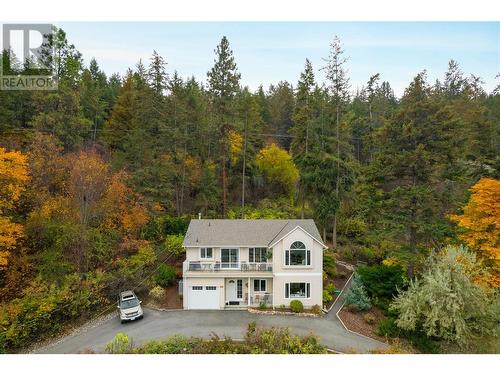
(122, 321)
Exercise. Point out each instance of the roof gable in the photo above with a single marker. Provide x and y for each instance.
(293, 230)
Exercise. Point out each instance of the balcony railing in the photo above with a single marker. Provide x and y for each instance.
(261, 299)
(199, 266)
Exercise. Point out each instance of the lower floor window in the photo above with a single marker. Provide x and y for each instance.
(239, 289)
(297, 290)
(259, 285)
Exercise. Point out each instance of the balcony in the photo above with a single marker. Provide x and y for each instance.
(200, 266)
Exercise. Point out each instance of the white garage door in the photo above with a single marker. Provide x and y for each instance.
(203, 298)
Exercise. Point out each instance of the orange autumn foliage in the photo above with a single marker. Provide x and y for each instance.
(13, 178)
(122, 208)
(480, 221)
(480, 226)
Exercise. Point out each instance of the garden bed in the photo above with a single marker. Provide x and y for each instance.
(355, 321)
(338, 281)
(170, 301)
(280, 311)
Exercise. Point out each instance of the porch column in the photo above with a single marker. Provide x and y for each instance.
(248, 296)
(272, 294)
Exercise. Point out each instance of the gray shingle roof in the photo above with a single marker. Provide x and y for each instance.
(239, 232)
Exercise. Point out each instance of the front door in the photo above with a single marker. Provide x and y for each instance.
(234, 290)
(229, 258)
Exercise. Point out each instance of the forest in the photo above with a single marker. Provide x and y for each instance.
(99, 179)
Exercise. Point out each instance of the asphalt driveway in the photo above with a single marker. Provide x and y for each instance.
(161, 324)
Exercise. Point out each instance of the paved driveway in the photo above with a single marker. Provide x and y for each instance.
(161, 324)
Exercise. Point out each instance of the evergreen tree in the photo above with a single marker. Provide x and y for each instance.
(224, 83)
(338, 85)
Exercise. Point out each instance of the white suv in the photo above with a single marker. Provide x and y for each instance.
(129, 306)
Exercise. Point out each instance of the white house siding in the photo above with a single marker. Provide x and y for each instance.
(276, 280)
(312, 274)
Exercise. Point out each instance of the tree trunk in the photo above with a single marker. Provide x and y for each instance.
(413, 228)
(224, 188)
(302, 203)
(337, 180)
(334, 231)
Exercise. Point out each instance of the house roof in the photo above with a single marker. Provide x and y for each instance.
(242, 232)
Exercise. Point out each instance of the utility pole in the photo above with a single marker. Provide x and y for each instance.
(244, 167)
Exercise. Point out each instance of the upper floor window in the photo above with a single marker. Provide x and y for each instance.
(206, 252)
(257, 255)
(297, 255)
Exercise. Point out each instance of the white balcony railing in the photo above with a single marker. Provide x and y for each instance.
(261, 298)
(200, 266)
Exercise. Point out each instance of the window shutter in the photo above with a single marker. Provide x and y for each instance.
(287, 257)
(287, 290)
(308, 255)
(250, 255)
(308, 290)
(256, 285)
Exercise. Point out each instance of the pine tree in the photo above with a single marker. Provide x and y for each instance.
(223, 84)
(336, 75)
(302, 128)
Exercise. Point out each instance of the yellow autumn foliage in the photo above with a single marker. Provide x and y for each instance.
(235, 145)
(13, 177)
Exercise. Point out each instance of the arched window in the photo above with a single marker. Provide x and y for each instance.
(297, 255)
(298, 245)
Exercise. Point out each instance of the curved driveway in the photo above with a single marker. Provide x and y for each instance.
(161, 324)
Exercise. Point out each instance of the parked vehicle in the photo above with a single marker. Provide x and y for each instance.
(129, 306)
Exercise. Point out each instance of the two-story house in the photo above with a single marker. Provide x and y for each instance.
(240, 263)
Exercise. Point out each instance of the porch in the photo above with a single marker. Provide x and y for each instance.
(241, 293)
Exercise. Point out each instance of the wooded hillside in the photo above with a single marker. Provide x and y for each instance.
(94, 174)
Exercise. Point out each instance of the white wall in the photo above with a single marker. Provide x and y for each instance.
(312, 274)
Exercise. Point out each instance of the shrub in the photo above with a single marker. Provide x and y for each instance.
(316, 309)
(446, 303)
(165, 275)
(176, 344)
(327, 297)
(257, 341)
(353, 308)
(329, 266)
(357, 294)
(280, 341)
(262, 305)
(296, 306)
(387, 328)
(173, 245)
(121, 344)
(342, 274)
(369, 318)
(157, 293)
(45, 307)
(381, 283)
(331, 289)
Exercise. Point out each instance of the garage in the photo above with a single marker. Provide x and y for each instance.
(203, 297)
